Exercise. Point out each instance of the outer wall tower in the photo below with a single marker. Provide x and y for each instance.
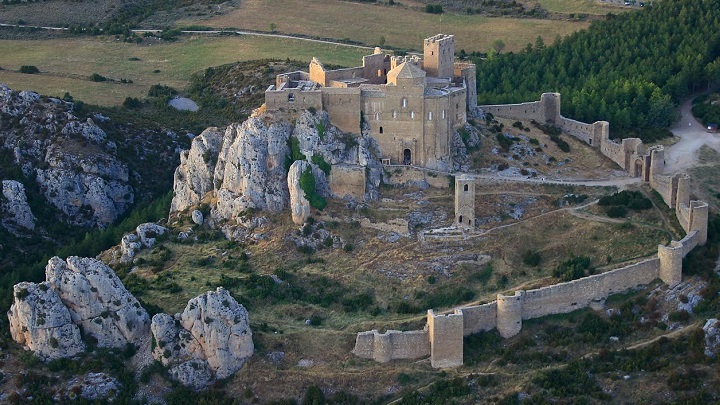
(439, 55)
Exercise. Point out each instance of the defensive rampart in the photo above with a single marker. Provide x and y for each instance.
(446, 330)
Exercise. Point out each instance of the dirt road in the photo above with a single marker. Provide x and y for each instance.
(693, 136)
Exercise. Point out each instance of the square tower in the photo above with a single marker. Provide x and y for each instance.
(465, 202)
(439, 55)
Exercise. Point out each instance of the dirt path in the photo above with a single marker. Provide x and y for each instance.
(692, 134)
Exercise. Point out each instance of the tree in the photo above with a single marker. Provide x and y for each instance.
(498, 45)
(381, 41)
(712, 72)
(29, 69)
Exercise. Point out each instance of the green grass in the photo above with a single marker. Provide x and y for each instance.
(66, 64)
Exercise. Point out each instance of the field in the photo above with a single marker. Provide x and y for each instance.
(401, 27)
(66, 64)
(592, 7)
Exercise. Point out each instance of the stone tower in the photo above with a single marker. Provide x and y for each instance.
(439, 55)
(465, 202)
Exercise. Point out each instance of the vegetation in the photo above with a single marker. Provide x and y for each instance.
(618, 203)
(706, 109)
(29, 69)
(610, 72)
(307, 183)
(573, 269)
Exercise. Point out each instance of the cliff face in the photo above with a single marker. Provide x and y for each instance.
(87, 166)
(249, 168)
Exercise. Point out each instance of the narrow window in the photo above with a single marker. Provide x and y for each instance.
(291, 97)
(444, 114)
(412, 114)
(460, 219)
(394, 114)
(381, 130)
(377, 116)
(467, 187)
(430, 116)
(379, 72)
(404, 102)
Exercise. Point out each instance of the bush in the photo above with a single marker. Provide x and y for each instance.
(434, 9)
(616, 211)
(574, 268)
(29, 69)
(531, 258)
(132, 103)
(307, 183)
(95, 77)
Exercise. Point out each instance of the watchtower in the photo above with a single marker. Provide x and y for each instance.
(439, 55)
(465, 202)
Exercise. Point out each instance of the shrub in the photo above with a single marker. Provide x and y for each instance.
(531, 258)
(307, 183)
(322, 164)
(29, 69)
(574, 268)
(434, 9)
(616, 211)
(95, 77)
(132, 103)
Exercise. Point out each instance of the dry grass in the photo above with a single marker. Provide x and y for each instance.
(71, 61)
(593, 7)
(706, 177)
(405, 28)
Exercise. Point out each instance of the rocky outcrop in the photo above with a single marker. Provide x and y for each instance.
(211, 339)
(144, 237)
(99, 303)
(15, 208)
(73, 157)
(194, 177)
(299, 204)
(249, 167)
(42, 323)
(83, 295)
(91, 386)
(712, 337)
(197, 217)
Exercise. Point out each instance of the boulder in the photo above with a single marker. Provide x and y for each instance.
(91, 386)
(100, 305)
(42, 323)
(17, 213)
(148, 233)
(211, 334)
(197, 217)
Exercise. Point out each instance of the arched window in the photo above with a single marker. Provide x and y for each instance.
(412, 114)
(466, 188)
(377, 116)
(430, 116)
(404, 102)
(380, 73)
(381, 130)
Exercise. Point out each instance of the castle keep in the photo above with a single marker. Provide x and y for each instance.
(411, 105)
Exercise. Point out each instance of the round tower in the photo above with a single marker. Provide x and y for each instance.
(509, 314)
(670, 263)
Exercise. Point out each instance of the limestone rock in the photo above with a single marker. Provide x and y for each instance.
(299, 205)
(194, 177)
(712, 337)
(98, 302)
(148, 233)
(129, 246)
(42, 323)
(212, 333)
(16, 211)
(197, 217)
(91, 386)
(251, 165)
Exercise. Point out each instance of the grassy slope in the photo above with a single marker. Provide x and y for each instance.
(71, 61)
(401, 27)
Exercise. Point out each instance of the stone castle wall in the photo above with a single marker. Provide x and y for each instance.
(508, 311)
(400, 175)
(392, 345)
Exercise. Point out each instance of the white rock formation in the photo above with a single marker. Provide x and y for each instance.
(712, 337)
(91, 386)
(299, 205)
(42, 323)
(16, 211)
(144, 237)
(210, 339)
(197, 217)
(194, 177)
(250, 167)
(99, 303)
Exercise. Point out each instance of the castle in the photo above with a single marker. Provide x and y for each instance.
(411, 105)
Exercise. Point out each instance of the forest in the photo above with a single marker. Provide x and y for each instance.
(631, 69)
